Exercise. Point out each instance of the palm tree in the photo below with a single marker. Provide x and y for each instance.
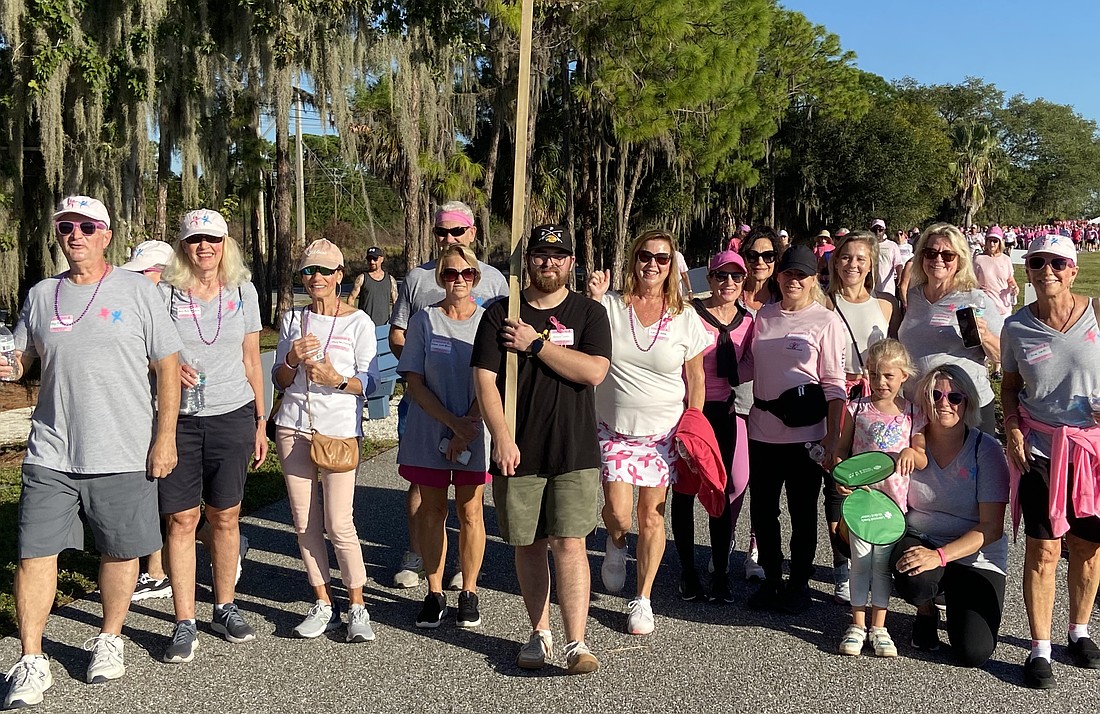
(975, 146)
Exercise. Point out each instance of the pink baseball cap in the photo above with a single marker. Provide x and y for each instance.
(324, 253)
(995, 232)
(1051, 244)
(725, 258)
(745, 228)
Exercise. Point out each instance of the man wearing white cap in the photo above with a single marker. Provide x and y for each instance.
(889, 259)
(96, 331)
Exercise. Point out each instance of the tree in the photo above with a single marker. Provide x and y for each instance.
(972, 170)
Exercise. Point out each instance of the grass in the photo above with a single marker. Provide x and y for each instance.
(77, 570)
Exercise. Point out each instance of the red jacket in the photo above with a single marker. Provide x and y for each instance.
(703, 472)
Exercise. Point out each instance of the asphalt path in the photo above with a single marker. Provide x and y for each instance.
(702, 657)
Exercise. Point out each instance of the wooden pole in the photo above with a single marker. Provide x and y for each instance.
(519, 185)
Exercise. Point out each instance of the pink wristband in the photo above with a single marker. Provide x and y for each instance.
(943, 557)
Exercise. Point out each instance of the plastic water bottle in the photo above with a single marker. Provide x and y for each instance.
(194, 398)
(817, 451)
(7, 345)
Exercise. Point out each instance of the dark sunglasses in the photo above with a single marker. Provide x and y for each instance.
(948, 256)
(644, 256)
(953, 398)
(199, 238)
(455, 232)
(767, 256)
(721, 276)
(312, 269)
(1038, 262)
(451, 274)
(86, 227)
(548, 258)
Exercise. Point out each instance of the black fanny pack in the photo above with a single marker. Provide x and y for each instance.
(803, 405)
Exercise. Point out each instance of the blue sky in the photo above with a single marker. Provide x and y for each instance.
(1047, 49)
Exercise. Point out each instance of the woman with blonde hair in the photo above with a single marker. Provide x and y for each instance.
(657, 360)
(943, 289)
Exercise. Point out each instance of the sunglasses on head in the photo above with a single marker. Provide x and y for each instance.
(451, 274)
(312, 269)
(767, 256)
(948, 256)
(199, 238)
(644, 256)
(721, 276)
(86, 227)
(1038, 262)
(953, 398)
(455, 232)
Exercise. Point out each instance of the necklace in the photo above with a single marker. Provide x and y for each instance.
(660, 326)
(57, 295)
(1069, 317)
(305, 329)
(191, 300)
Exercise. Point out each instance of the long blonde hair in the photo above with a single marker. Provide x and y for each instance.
(231, 270)
(964, 275)
(869, 240)
(671, 290)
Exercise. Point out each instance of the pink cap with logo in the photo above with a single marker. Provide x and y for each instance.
(324, 253)
(725, 258)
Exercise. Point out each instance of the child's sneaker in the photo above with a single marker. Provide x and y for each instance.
(882, 643)
(852, 644)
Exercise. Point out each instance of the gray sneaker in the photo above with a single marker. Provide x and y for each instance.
(359, 629)
(321, 618)
(185, 641)
(229, 624)
(27, 681)
(108, 661)
(410, 572)
(539, 649)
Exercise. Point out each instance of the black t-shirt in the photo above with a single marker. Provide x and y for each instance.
(555, 418)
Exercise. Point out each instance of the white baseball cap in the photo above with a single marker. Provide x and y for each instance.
(203, 222)
(784, 234)
(147, 255)
(878, 223)
(1052, 245)
(83, 206)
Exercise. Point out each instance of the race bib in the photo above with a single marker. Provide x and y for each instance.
(659, 330)
(1038, 353)
(65, 324)
(942, 319)
(441, 345)
(564, 338)
(340, 342)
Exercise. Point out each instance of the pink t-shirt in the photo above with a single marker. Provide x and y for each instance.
(876, 431)
(718, 388)
(994, 272)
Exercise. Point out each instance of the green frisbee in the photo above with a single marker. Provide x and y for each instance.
(864, 469)
(874, 517)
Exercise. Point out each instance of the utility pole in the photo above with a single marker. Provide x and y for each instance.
(299, 171)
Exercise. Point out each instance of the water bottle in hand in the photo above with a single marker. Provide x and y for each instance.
(817, 452)
(7, 347)
(194, 398)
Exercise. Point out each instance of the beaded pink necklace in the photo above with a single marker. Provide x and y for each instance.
(660, 326)
(305, 327)
(191, 300)
(57, 295)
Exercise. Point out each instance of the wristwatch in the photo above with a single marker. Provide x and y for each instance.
(342, 384)
(536, 346)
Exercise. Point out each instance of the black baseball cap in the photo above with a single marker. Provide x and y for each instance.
(798, 257)
(550, 235)
(375, 252)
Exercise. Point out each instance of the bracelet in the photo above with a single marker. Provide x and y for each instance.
(943, 557)
(287, 364)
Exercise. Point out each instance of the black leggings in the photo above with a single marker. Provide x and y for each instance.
(771, 467)
(683, 504)
(975, 599)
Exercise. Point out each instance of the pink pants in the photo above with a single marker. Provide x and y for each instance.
(312, 518)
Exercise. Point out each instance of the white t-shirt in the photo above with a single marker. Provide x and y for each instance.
(643, 394)
(681, 268)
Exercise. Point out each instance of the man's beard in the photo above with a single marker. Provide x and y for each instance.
(548, 283)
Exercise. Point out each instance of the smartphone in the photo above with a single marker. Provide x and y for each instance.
(968, 327)
(463, 458)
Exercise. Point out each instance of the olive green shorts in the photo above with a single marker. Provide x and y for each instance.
(531, 508)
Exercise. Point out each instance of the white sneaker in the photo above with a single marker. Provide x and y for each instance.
(538, 650)
(882, 643)
(639, 618)
(753, 571)
(411, 572)
(842, 594)
(107, 658)
(27, 681)
(321, 618)
(852, 644)
(455, 583)
(359, 628)
(613, 570)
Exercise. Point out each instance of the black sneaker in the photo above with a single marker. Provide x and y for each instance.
(1085, 653)
(691, 590)
(433, 611)
(1038, 674)
(926, 632)
(468, 614)
(796, 599)
(766, 597)
(229, 624)
(720, 593)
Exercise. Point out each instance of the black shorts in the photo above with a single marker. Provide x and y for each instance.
(1035, 505)
(213, 456)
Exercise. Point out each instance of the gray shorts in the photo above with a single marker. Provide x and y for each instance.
(121, 510)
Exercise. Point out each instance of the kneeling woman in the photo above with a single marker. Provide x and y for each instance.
(954, 542)
(444, 442)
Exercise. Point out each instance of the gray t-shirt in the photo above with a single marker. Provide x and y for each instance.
(943, 502)
(440, 349)
(420, 290)
(931, 334)
(1060, 370)
(95, 404)
(227, 386)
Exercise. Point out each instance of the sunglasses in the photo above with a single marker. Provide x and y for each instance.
(767, 256)
(548, 258)
(948, 256)
(196, 239)
(953, 398)
(721, 276)
(455, 232)
(1038, 262)
(644, 256)
(64, 228)
(313, 269)
(451, 274)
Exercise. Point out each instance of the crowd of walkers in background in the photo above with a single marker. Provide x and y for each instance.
(804, 358)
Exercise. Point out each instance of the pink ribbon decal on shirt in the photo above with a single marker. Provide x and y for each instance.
(558, 327)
